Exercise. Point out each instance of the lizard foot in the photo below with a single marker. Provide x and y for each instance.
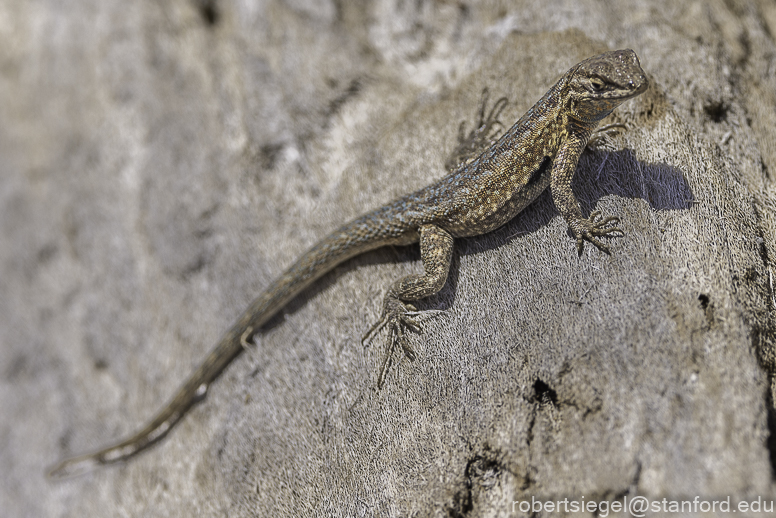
(596, 226)
(484, 133)
(600, 135)
(397, 317)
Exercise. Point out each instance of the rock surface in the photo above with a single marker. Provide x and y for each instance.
(161, 162)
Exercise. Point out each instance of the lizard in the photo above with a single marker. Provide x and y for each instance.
(478, 195)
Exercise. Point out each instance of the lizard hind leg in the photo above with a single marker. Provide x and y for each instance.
(486, 129)
(436, 252)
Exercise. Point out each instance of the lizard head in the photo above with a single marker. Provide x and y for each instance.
(599, 84)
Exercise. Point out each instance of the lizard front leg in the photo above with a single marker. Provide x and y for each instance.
(563, 168)
(436, 252)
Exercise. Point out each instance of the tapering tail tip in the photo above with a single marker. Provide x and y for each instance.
(73, 467)
(87, 462)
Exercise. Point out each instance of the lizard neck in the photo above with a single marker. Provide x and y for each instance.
(587, 114)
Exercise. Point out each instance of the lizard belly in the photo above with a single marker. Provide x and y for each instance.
(494, 213)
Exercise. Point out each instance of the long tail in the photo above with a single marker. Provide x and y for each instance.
(354, 238)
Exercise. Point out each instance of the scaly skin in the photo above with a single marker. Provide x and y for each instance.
(542, 149)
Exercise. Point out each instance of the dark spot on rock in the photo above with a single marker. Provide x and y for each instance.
(716, 110)
(268, 155)
(46, 253)
(208, 9)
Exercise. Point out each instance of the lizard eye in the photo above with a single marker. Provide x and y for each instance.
(597, 84)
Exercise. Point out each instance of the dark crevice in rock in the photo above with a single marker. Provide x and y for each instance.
(771, 442)
(336, 104)
(763, 338)
(708, 308)
(483, 469)
(543, 393)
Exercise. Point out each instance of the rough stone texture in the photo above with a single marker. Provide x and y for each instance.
(160, 162)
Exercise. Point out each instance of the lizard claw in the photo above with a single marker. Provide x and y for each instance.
(390, 318)
(374, 330)
(596, 226)
(396, 317)
(601, 134)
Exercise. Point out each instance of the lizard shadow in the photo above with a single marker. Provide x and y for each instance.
(599, 174)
